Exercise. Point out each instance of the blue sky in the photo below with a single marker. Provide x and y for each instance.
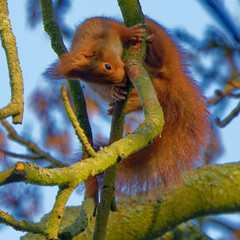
(35, 55)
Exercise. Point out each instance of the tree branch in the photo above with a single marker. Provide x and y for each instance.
(13, 174)
(108, 186)
(15, 107)
(54, 33)
(80, 223)
(55, 218)
(206, 191)
(230, 86)
(58, 46)
(108, 156)
(29, 157)
(73, 119)
(229, 118)
(25, 226)
(31, 146)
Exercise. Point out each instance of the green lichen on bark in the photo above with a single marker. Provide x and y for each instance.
(131, 11)
(52, 225)
(15, 107)
(199, 196)
(58, 46)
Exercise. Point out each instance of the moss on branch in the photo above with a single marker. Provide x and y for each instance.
(58, 46)
(206, 191)
(105, 158)
(15, 107)
(55, 217)
(73, 119)
(132, 15)
(25, 226)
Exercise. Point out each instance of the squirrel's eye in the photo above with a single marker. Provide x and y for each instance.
(108, 67)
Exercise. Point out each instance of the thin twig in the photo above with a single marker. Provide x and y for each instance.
(29, 157)
(73, 119)
(25, 226)
(231, 85)
(32, 147)
(229, 118)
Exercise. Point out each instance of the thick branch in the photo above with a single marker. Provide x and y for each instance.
(105, 158)
(206, 191)
(13, 174)
(108, 156)
(15, 107)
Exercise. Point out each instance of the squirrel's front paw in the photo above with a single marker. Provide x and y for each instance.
(137, 32)
(119, 93)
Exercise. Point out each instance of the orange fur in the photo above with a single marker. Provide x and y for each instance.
(187, 129)
(97, 42)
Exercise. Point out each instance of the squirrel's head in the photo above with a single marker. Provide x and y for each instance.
(103, 66)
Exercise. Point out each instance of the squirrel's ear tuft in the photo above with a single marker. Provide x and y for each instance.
(57, 69)
(53, 72)
(70, 65)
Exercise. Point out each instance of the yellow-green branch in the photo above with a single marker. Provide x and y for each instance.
(15, 107)
(103, 159)
(81, 222)
(25, 226)
(206, 191)
(58, 211)
(73, 119)
(108, 188)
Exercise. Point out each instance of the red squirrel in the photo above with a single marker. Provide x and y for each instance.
(96, 58)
